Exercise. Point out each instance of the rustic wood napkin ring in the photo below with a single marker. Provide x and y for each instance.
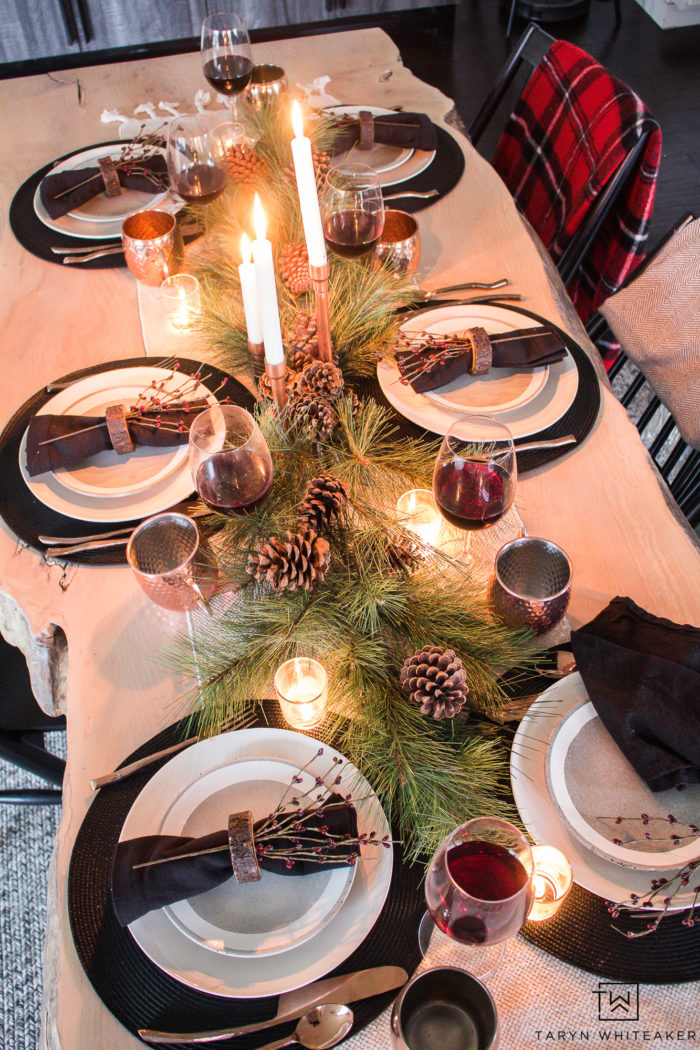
(118, 429)
(366, 140)
(242, 847)
(110, 177)
(480, 346)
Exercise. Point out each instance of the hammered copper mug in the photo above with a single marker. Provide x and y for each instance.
(531, 585)
(152, 245)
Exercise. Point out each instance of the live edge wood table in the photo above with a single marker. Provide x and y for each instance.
(603, 503)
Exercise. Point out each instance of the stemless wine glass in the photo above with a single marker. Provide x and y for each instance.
(226, 55)
(352, 209)
(230, 462)
(478, 889)
(474, 476)
(196, 158)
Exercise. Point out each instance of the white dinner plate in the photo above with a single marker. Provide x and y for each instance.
(526, 402)
(173, 802)
(393, 164)
(101, 217)
(611, 880)
(583, 761)
(108, 487)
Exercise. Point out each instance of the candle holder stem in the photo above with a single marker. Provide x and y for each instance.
(319, 276)
(257, 353)
(277, 374)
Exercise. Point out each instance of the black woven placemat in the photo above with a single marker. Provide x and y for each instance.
(577, 420)
(442, 174)
(29, 518)
(138, 993)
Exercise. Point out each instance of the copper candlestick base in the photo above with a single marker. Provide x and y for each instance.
(319, 276)
(257, 352)
(277, 374)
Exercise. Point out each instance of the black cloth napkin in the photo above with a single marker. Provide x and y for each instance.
(134, 893)
(407, 130)
(428, 367)
(83, 436)
(642, 674)
(65, 191)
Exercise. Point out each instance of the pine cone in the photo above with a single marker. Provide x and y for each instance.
(401, 557)
(435, 681)
(301, 342)
(265, 388)
(312, 414)
(322, 165)
(294, 268)
(296, 562)
(245, 165)
(325, 499)
(322, 378)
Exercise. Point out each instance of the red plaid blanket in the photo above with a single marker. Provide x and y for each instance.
(570, 130)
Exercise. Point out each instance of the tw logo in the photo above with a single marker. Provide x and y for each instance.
(617, 1002)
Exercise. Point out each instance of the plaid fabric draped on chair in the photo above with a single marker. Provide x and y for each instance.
(570, 130)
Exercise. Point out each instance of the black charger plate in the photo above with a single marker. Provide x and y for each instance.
(28, 517)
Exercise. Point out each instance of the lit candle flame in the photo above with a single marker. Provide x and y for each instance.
(259, 219)
(297, 120)
(245, 248)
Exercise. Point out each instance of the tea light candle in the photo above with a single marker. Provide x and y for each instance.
(267, 289)
(301, 685)
(306, 187)
(181, 295)
(418, 512)
(551, 881)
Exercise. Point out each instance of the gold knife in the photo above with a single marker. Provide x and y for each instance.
(343, 990)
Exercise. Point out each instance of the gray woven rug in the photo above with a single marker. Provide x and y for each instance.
(26, 840)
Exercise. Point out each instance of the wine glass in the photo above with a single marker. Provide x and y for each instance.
(479, 889)
(474, 476)
(227, 61)
(230, 462)
(196, 157)
(352, 209)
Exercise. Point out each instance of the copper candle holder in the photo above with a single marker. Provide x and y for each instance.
(319, 276)
(257, 353)
(277, 374)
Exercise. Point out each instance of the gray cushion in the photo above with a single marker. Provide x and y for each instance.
(657, 321)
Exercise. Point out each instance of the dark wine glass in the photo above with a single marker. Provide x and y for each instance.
(227, 61)
(196, 157)
(352, 210)
(478, 889)
(474, 476)
(230, 462)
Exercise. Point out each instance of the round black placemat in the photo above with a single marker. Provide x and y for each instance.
(29, 518)
(38, 239)
(442, 174)
(138, 993)
(577, 420)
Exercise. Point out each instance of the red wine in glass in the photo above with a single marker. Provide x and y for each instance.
(472, 494)
(353, 233)
(490, 907)
(235, 481)
(228, 74)
(200, 183)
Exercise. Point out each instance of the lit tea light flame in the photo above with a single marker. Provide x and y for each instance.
(301, 685)
(418, 512)
(551, 881)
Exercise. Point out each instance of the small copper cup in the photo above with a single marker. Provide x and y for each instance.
(267, 84)
(152, 245)
(399, 245)
(170, 563)
(531, 584)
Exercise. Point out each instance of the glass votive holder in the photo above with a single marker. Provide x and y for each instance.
(231, 134)
(301, 685)
(418, 512)
(551, 881)
(180, 294)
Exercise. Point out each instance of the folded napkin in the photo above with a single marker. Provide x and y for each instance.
(327, 839)
(65, 191)
(74, 438)
(428, 362)
(642, 674)
(407, 130)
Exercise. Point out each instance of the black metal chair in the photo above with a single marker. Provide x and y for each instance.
(537, 12)
(523, 60)
(22, 728)
(676, 461)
